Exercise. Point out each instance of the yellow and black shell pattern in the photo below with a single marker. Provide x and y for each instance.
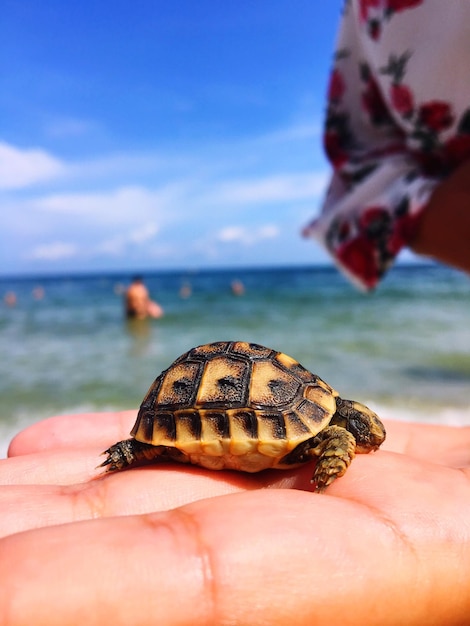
(234, 405)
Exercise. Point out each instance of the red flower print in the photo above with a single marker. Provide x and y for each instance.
(401, 5)
(336, 86)
(405, 229)
(374, 28)
(333, 148)
(344, 230)
(365, 5)
(431, 163)
(457, 150)
(436, 115)
(373, 103)
(358, 256)
(374, 220)
(402, 100)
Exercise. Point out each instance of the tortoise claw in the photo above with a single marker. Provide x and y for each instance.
(119, 456)
(107, 461)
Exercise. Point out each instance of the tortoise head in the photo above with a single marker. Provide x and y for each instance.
(361, 422)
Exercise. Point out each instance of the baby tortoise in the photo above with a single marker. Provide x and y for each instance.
(236, 405)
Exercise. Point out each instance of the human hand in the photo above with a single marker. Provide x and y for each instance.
(388, 543)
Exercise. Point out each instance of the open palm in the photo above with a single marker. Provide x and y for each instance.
(389, 543)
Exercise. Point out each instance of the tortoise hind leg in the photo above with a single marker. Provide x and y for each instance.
(131, 452)
(335, 448)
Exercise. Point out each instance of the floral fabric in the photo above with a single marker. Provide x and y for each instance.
(397, 123)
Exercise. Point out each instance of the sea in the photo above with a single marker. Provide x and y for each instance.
(404, 349)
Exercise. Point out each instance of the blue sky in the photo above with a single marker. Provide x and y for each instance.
(161, 135)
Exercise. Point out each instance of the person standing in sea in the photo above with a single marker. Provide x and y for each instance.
(138, 304)
(397, 134)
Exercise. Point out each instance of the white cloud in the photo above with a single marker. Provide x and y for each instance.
(23, 168)
(111, 247)
(144, 233)
(128, 166)
(180, 206)
(297, 132)
(121, 205)
(120, 244)
(55, 251)
(232, 233)
(269, 231)
(246, 235)
(279, 188)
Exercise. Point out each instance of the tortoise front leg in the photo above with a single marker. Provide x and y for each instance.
(336, 451)
(131, 452)
(335, 448)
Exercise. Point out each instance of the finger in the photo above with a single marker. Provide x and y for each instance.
(446, 445)
(378, 478)
(73, 431)
(252, 558)
(62, 467)
(26, 505)
(75, 466)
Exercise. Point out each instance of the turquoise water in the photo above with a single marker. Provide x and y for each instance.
(405, 349)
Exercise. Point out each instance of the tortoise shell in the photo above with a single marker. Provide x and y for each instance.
(234, 405)
(242, 406)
